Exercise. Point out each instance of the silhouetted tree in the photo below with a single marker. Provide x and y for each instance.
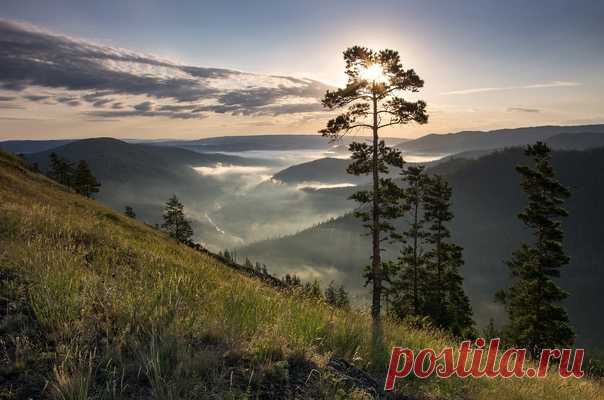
(83, 181)
(372, 101)
(175, 223)
(313, 289)
(342, 299)
(331, 295)
(292, 280)
(129, 212)
(60, 170)
(408, 275)
(537, 320)
(446, 302)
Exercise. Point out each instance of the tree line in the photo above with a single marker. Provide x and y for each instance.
(424, 282)
(78, 176)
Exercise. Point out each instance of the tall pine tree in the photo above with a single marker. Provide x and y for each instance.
(537, 320)
(372, 100)
(60, 170)
(408, 274)
(446, 302)
(175, 223)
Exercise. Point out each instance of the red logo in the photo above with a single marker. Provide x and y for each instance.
(478, 362)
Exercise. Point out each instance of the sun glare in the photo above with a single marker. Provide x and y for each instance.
(373, 73)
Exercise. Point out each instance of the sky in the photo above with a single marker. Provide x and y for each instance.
(192, 69)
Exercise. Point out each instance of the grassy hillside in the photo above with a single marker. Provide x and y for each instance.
(95, 305)
(144, 176)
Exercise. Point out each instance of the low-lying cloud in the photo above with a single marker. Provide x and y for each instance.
(523, 109)
(80, 73)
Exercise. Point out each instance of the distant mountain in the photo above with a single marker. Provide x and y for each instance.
(486, 201)
(477, 140)
(144, 176)
(31, 146)
(576, 141)
(324, 170)
(265, 143)
(253, 143)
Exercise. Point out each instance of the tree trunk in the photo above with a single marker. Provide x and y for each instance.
(376, 263)
(439, 283)
(415, 261)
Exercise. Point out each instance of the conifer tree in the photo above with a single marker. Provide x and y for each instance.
(372, 100)
(129, 212)
(313, 290)
(537, 320)
(342, 299)
(331, 296)
(408, 275)
(446, 301)
(60, 170)
(175, 223)
(83, 181)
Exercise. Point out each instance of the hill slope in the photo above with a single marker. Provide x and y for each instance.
(96, 305)
(31, 146)
(325, 170)
(144, 176)
(476, 140)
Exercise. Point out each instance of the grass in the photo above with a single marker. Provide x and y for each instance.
(96, 305)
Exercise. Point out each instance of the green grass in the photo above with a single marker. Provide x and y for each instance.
(96, 305)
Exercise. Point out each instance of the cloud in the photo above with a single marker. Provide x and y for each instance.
(21, 119)
(553, 84)
(144, 113)
(143, 107)
(7, 98)
(523, 109)
(82, 72)
(69, 100)
(10, 106)
(36, 98)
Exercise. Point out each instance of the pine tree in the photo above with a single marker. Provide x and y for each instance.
(313, 290)
(537, 320)
(490, 332)
(342, 299)
(408, 274)
(175, 223)
(83, 181)
(372, 101)
(129, 212)
(446, 302)
(331, 295)
(60, 170)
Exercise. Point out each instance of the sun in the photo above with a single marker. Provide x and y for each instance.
(373, 73)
